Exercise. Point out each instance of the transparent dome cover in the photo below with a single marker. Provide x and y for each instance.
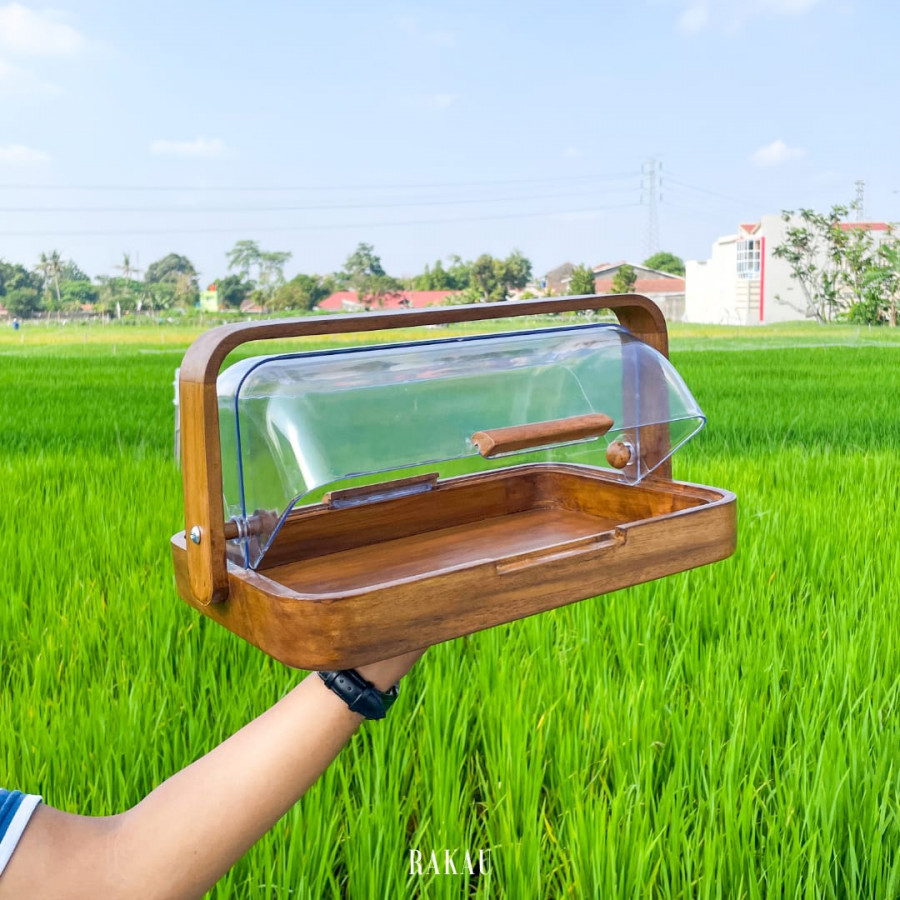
(294, 426)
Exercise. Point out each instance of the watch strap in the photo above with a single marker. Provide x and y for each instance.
(361, 696)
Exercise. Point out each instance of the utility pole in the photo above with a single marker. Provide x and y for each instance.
(651, 189)
(860, 201)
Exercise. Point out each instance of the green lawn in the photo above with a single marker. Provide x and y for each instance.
(729, 732)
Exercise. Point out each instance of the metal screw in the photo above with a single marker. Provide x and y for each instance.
(195, 534)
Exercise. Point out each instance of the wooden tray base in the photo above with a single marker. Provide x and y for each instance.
(420, 555)
(342, 587)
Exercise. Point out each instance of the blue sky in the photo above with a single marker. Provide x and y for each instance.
(433, 129)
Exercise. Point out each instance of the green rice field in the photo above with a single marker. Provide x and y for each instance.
(731, 732)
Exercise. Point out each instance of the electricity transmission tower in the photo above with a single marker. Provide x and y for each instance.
(651, 189)
(860, 201)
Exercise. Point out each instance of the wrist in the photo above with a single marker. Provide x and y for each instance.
(378, 675)
(360, 695)
(385, 673)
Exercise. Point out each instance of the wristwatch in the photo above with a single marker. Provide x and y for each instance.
(360, 695)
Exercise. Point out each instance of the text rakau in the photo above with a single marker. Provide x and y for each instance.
(449, 862)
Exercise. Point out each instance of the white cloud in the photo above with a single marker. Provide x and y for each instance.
(20, 155)
(572, 153)
(694, 18)
(16, 80)
(776, 154)
(411, 27)
(731, 15)
(199, 148)
(33, 33)
(442, 101)
(788, 7)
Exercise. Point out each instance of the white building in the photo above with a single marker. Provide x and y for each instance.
(744, 283)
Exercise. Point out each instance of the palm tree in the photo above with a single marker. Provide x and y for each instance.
(129, 272)
(50, 268)
(127, 269)
(42, 268)
(243, 256)
(54, 269)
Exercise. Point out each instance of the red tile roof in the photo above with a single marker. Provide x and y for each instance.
(644, 285)
(415, 299)
(611, 265)
(865, 226)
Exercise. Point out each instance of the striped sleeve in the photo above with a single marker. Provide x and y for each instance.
(15, 811)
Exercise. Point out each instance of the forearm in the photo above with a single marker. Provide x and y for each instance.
(189, 831)
(195, 825)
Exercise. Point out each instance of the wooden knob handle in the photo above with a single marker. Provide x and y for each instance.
(618, 454)
(539, 434)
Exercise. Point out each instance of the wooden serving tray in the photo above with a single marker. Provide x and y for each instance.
(342, 587)
(350, 581)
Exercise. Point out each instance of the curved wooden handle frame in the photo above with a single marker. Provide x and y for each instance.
(204, 511)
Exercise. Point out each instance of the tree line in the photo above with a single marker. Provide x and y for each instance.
(253, 274)
(57, 285)
(256, 275)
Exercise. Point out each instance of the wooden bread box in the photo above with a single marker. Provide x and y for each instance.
(347, 505)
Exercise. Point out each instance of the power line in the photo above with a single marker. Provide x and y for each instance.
(693, 187)
(317, 227)
(315, 187)
(699, 215)
(307, 208)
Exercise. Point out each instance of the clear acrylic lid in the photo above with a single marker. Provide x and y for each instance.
(294, 426)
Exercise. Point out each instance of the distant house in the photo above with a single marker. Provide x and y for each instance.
(208, 300)
(744, 283)
(664, 289)
(250, 306)
(348, 301)
(556, 281)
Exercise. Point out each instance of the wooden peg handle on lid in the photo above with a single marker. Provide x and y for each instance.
(540, 434)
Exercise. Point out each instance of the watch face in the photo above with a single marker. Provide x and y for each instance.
(389, 696)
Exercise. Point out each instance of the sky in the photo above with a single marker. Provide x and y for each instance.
(434, 129)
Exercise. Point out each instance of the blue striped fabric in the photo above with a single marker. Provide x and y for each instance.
(10, 801)
(15, 811)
